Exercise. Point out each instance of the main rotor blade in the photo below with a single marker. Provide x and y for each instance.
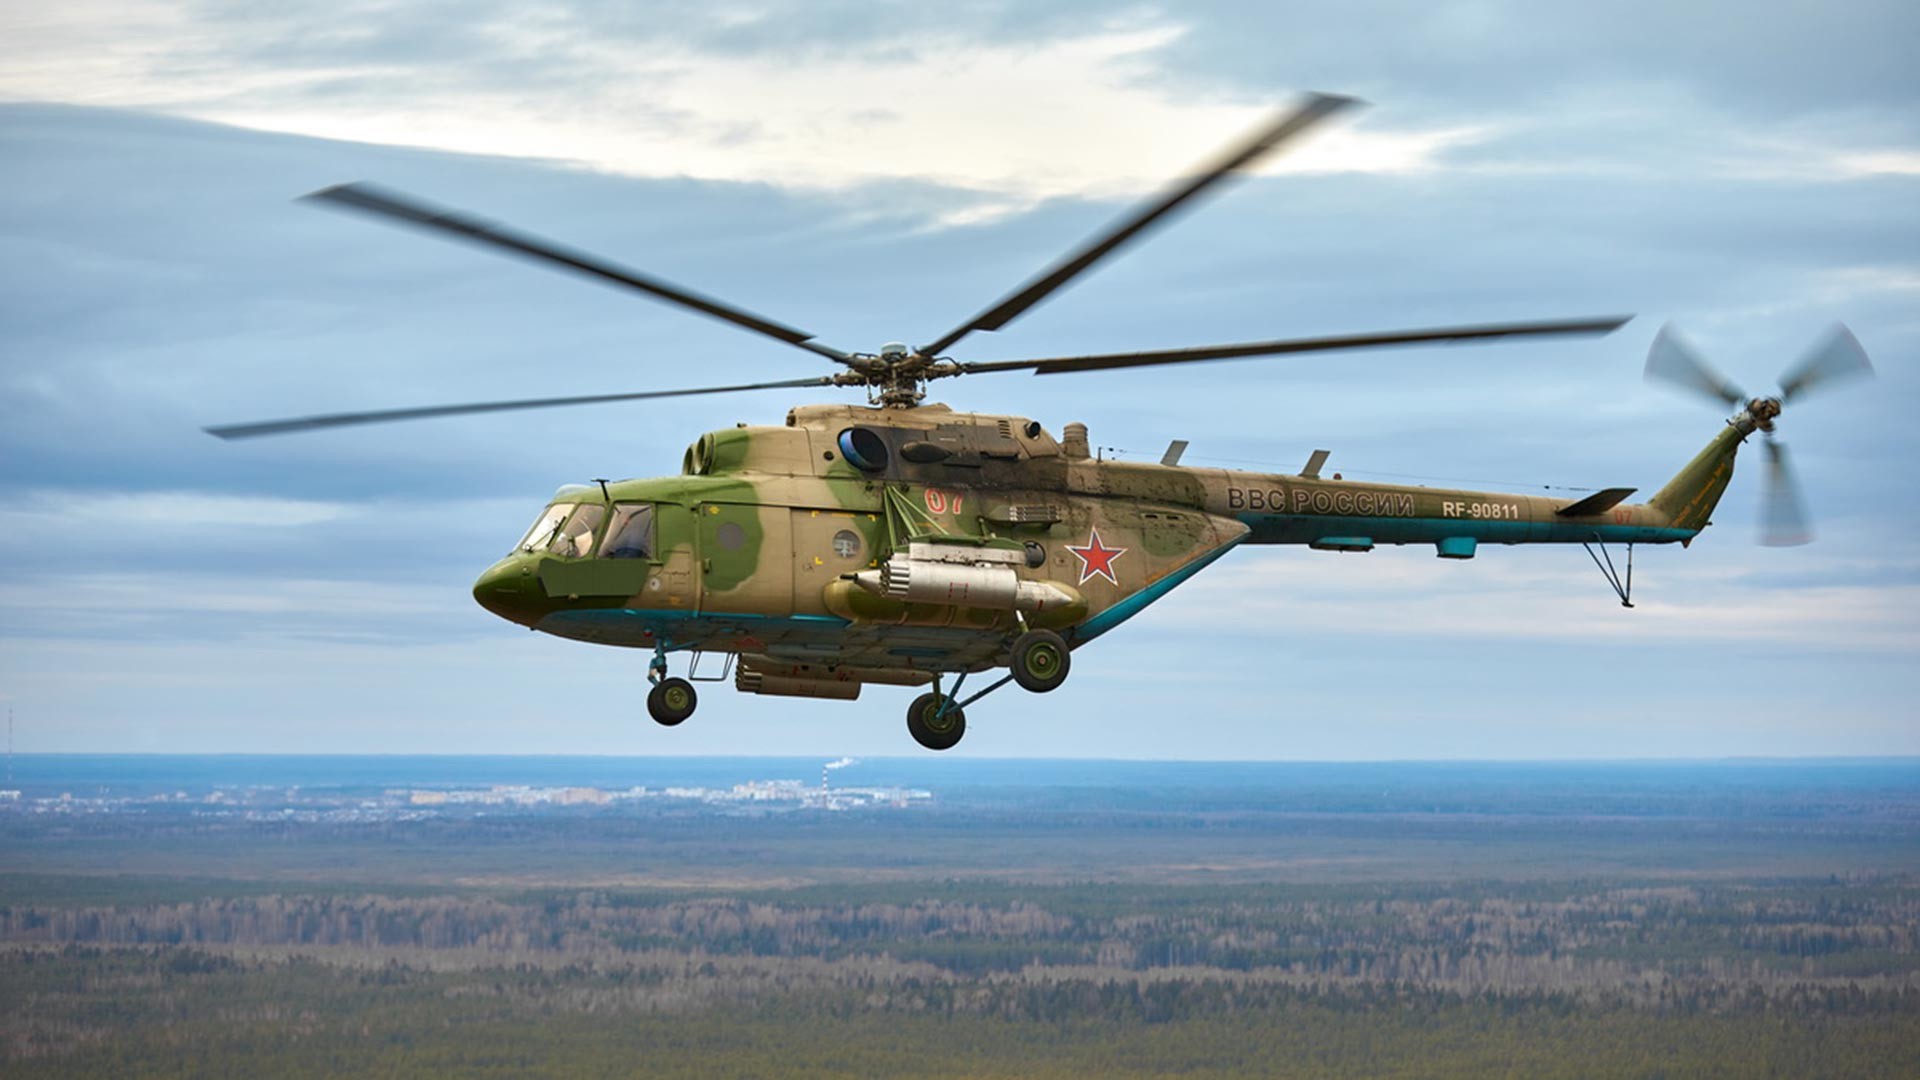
(370, 199)
(332, 420)
(1315, 108)
(1673, 360)
(1062, 364)
(1837, 357)
(1783, 520)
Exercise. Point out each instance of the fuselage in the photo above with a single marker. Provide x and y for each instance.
(758, 547)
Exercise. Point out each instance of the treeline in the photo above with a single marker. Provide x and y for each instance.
(1635, 944)
(183, 1011)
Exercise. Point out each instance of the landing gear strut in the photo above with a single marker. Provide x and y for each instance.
(935, 721)
(1622, 586)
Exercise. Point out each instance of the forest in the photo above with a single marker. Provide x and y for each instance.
(1001, 933)
(1787, 978)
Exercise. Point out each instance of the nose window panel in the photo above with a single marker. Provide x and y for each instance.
(575, 538)
(545, 529)
(631, 534)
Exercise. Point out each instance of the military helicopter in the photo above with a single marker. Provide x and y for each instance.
(900, 543)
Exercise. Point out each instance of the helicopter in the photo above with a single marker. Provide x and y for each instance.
(901, 543)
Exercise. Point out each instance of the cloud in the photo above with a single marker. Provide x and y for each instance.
(654, 104)
(1505, 596)
(142, 512)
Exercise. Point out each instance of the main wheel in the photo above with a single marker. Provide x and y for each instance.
(1040, 661)
(671, 701)
(932, 728)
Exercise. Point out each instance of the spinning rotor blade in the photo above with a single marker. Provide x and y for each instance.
(331, 420)
(1674, 361)
(370, 199)
(1314, 109)
(1838, 357)
(1062, 364)
(1784, 517)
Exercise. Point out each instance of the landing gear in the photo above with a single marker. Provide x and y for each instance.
(1622, 587)
(671, 701)
(935, 721)
(1040, 661)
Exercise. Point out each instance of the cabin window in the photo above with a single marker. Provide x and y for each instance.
(545, 528)
(575, 537)
(631, 534)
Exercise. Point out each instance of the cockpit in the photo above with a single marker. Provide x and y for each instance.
(574, 531)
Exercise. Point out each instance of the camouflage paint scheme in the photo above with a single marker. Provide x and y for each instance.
(744, 558)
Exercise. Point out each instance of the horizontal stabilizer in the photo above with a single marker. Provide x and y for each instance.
(1597, 503)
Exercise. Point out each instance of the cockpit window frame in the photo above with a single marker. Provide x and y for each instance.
(617, 522)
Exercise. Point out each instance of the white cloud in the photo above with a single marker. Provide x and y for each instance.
(1401, 594)
(1076, 116)
(1880, 163)
(39, 512)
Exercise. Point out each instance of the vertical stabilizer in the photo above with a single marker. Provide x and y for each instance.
(1689, 498)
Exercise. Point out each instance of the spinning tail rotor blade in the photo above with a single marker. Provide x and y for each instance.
(333, 420)
(1837, 357)
(1784, 517)
(370, 199)
(1672, 360)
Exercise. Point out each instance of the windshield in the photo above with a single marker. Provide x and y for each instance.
(631, 534)
(544, 528)
(575, 538)
(565, 529)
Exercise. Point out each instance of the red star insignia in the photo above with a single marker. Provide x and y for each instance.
(1096, 559)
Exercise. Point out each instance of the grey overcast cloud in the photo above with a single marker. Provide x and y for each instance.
(876, 172)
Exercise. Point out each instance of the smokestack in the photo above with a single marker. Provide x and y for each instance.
(829, 767)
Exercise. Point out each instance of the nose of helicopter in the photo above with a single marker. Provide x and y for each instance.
(509, 589)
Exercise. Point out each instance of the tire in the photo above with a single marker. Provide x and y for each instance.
(1040, 661)
(930, 728)
(671, 701)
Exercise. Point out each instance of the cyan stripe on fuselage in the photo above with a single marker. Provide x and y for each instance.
(1308, 528)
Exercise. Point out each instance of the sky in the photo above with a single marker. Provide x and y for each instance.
(878, 172)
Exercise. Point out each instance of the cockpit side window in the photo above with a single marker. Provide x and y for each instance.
(631, 534)
(545, 528)
(575, 538)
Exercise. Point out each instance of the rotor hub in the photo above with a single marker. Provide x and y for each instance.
(1762, 412)
(896, 377)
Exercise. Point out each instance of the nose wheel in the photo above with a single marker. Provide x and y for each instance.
(935, 721)
(671, 701)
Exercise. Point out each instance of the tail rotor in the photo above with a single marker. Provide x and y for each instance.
(1836, 358)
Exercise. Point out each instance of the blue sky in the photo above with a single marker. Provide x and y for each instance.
(879, 172)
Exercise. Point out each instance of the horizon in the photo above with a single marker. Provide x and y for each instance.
(985, 759)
